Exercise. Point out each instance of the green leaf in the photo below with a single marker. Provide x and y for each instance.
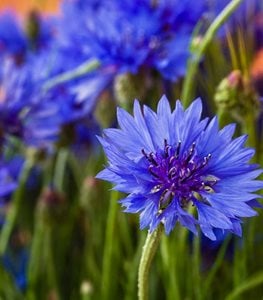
(8, 290)
(249, 284)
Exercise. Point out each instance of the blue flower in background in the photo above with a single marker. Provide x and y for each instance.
(16, 263)
(11, 168)
(23, 107)
(36, 115)
(8, 181)
(20, 101)
(134, 34)
(170, 161)
(12, 38)
(15, 91)
(9, 172)
(16, 43)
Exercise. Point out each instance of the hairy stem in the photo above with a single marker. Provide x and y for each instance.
(148, 252)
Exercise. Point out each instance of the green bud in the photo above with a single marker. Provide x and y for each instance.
(236, 97)
(105, 110)
(128, 87)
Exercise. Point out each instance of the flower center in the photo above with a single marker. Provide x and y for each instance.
(179, 175)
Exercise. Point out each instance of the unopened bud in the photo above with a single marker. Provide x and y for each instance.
(105, 110)
(236, 96)
(51, 205)
(50, 197)
(128, 87)
(90, 182)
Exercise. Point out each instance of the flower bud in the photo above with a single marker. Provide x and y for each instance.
(128, 87)
(236, 96)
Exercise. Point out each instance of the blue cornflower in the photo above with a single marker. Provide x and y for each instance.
(16, 263)
(12, 38)
(9, 172)
(36, 116)
(23, 108)
(170, 161)
(131, 35)
(8, 181)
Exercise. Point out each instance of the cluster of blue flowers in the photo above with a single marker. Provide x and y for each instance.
(168, 160)
(137, 35)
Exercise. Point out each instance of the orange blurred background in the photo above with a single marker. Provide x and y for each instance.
(24, 6)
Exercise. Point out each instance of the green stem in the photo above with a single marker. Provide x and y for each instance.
(108, 247)
(199, 51)
(60, 167)
(148, 252)
(83, 69)
(170, 267)
(36, 251)
(240, 266)
(42, 248)
(214, 269)
(132, 271)
(196, 267)
(249, 128)
(248, 284)
(15, 206)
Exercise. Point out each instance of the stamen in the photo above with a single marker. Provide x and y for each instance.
(214, 182)
(208, 189)
(166, 150)
(171, 172)
(165, 200)
(144, 153)
(191, 152)
(207, 158)
(156, 189)
(151, 158)
(179, 177)
(171, 160)
(178, 149)
(152, 172)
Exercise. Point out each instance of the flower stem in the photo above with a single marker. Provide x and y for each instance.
(15, 206)
(108, 255)
(148, 252)
(199, 51)
(133, 267)
(83, 69)
(60, 167)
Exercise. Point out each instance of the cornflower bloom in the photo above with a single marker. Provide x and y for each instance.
(169, 161)
(136, 35)
(12, 38)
